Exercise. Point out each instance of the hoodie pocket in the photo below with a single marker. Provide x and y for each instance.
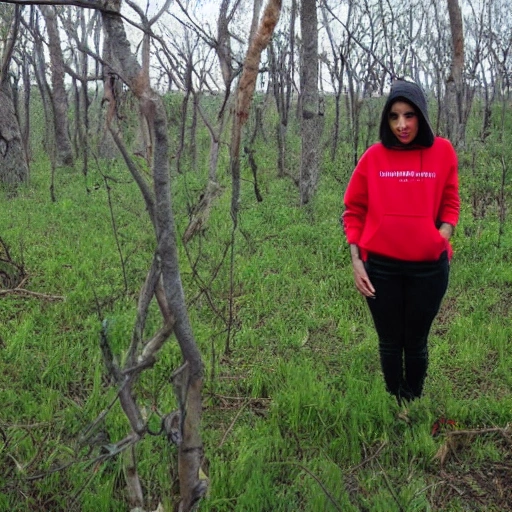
(406, 237)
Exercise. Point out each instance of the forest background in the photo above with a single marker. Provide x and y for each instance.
(127, 147)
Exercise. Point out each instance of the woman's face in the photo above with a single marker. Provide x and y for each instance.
(403, 121)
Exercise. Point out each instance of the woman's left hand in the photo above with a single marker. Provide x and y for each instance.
(446, 231)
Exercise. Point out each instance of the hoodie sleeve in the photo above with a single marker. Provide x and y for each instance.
(450, 201)
(356, 203)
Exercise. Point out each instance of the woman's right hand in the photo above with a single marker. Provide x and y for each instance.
(363, 283)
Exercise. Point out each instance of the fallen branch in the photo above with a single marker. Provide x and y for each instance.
(317, 480)
(504, 431)
(28, 293)
(455, 439)
(370, 458)
(237, 415)
(391, 488)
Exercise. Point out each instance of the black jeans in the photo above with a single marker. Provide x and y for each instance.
(408, 297)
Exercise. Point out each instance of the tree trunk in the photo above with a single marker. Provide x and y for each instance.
(13, 160)
(26, 114)
(63, 147)
(455, 124)
(311, 125)
(189, 377)
(282, 56)
(83, 100)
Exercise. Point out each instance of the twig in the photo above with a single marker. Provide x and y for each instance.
(505, 432)
(26, 426)
(425, 489)
(145, 296)
(318, 481)
(369, 459)
(40, 476)
(473, 432)
(226, 397)
(112, 451)
(28, 293)
(115, 231)
(390, 488)
(456, 489)
(237, 415)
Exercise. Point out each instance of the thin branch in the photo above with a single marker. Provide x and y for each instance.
(361, 45)
(9, 45)
(232, 424)
(318, 481)
(390, 488)
(28, 293)
(369, 459)
(156, 343)
(112, 451)
(145, 297)
(85, 4)
(147, 194)
(505, 432)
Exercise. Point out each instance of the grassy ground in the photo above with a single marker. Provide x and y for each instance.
(295, 414)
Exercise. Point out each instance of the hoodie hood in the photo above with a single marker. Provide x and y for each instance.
(402, 90)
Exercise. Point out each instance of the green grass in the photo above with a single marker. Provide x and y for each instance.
(296, 416)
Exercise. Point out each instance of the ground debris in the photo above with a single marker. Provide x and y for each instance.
(486, 485)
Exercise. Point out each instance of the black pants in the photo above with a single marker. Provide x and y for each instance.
(408, 297)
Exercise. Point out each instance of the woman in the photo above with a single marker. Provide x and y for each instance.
(401, 207)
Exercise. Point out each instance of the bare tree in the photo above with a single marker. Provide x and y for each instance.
(282, 70)
(24, 62)
(79, 27)
(455, 126)
(59, 96)
(36, 59)
(164, 280)
(13, 162)
(244, 95)
(311, 125)
(336, 65)
(499, 36)
(222, 45)
(361, 64)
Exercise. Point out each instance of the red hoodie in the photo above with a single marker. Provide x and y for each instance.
(397, 199)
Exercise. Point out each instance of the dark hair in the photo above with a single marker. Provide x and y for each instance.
(411, 93)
